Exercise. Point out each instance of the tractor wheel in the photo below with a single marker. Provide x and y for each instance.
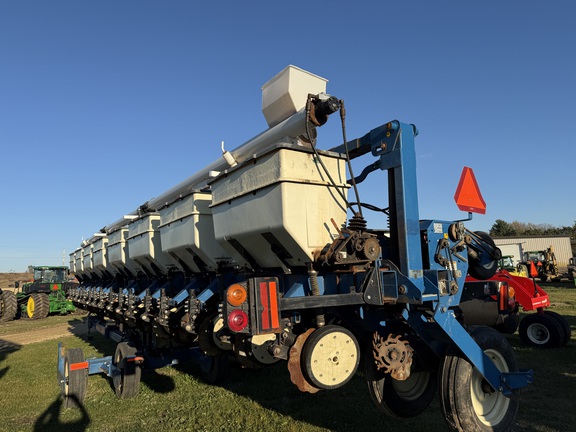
(126, 379)
(395, 398)
(213, 369)
(75, 381)
(466, 399)
(38, 306)
(8, 306)
(564, 324)
(541, 331)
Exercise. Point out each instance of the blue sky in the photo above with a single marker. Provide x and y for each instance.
(106, 104)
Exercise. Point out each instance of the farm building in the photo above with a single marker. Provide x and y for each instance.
(516, 246)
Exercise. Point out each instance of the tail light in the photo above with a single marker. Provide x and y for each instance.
(237, 308)
(253, 306)
(237, 320)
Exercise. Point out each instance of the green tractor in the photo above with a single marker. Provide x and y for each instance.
(46, 295)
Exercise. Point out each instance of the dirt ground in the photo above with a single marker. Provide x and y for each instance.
(7, 279)
(40, 335)
(35, 335)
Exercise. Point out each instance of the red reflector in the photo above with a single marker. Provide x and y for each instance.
(135, 359)
(274, 305)
(265, 309)
(78, 366)
(468, 197)
(269, 302)
(54, 287)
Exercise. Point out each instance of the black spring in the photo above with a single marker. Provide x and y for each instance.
(357, 223)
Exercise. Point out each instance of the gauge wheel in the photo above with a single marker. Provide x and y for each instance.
(467, 400)
(330, 357)
(214, 368)
(75, 380)
(126, 379)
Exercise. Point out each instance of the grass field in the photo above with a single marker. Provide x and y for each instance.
(175, 399)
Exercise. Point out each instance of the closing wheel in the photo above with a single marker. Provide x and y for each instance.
(75, 380)
(541, 331)
(126, 379)
(8, 306)
(467, 401)
(330, 357)
(396, 398)
(214, 368)
(564, 324)
(38, 306)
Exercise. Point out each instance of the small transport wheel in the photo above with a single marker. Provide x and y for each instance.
(38, 306)
(483, 265)
(330, 357)
(541, 331)
(467, 401)
(127, 379)
(395, 398)
(8, 306)
(563, 323)
(213, 368)
(75, 381)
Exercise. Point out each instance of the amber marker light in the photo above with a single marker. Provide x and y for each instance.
(236, 295)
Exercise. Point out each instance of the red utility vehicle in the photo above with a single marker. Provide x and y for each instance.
(496, 302)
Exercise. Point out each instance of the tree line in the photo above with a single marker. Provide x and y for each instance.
(502, 228)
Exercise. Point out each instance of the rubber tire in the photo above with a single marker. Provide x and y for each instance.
(214, 369)
(309, 349)
(459, 381)
(483, 270)
(552, 334)
(384, 392)
(509, 324)
(73, 391)
(40, 306)
(8, 306)
(127, 382)
(563, 323)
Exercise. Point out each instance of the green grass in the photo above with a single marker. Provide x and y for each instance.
(175, 399)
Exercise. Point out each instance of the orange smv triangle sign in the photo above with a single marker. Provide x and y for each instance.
(468, 197)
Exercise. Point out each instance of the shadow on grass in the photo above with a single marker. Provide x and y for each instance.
(348, 408)
(50, 419)
(6, 348)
